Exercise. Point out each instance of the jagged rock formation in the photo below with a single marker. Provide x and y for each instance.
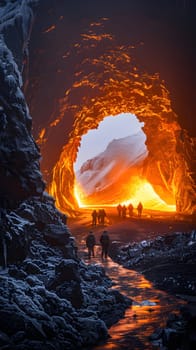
(49, 299)
(167, 260)
(20, 175)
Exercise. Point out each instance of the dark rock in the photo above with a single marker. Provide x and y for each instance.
(11, 322)
(56, 235)
(4, 339)
(68, 270)
(17, 273)
(31, 268)
(18, 337)
(71, 291)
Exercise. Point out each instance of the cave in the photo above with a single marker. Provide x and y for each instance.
(65, 68)
(96, 74)
(110, 166)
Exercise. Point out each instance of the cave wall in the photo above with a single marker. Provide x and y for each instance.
(162, 37)
(20, 175)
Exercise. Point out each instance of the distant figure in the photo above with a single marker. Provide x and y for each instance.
(103, 216)
(99, 216)
(139, 209)
(119, 209)
(94, 218)
(130, 208)
(105, 242)
(124, 211)
(90, 243)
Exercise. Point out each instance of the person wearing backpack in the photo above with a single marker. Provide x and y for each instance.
(105, 242)
(90, 243)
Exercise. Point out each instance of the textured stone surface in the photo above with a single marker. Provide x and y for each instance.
(45, 290)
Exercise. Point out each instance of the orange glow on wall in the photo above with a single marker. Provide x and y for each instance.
(111, 84)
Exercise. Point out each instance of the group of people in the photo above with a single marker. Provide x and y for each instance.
(122, 210)
(91, 242)
(98, 217)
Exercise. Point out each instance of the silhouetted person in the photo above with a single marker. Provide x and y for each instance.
(130, 208)
(103, 215)
(99, 216)
(139, 209)
(94, 218)
(90, 243)
(119, 209)
(105, 243)
(124, 211)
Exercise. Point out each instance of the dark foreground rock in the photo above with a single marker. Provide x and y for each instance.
(168, 261)
(49, 298)
(180, 330)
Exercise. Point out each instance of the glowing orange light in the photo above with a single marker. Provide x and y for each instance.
(50, 29)
(41, 139)
(109, 85)
(138, 190)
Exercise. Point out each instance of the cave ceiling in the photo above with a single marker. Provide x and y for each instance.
(102, 74)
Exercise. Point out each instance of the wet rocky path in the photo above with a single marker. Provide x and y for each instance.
(150, 309)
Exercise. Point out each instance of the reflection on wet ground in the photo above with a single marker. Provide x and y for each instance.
(149, 311)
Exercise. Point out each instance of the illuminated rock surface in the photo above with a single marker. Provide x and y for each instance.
(38, 310)
(48, 297)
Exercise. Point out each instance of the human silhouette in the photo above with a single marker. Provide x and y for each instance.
(105, 243)
(130, 208)
(119, 210)
(94, 218)
(139, 209)
(124, 211)
(103, 216)
(90, 243)
(99, 215)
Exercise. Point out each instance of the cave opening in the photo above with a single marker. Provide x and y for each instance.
(109, 83)
(110, 166)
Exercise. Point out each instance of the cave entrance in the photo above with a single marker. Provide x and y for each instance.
(110, 166)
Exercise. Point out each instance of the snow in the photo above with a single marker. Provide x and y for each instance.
(100, 172)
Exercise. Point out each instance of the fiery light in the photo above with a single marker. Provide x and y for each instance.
(138, 190)
(111, 84)
(50, 29)
(41, 137)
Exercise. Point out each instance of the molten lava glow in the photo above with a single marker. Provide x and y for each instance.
(111, 84)
(138, 190)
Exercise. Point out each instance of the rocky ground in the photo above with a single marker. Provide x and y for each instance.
(49, 298)
(163, 248)
(169, 262)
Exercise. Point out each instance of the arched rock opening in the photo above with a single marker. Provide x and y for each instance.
(108, 82)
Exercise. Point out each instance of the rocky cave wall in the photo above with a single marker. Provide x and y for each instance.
(108, 82)
(20, 175)
(99, 76)
(49, 298)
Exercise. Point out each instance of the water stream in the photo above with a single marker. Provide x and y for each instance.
(149, 311)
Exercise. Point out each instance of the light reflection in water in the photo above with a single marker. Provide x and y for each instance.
(149, 311)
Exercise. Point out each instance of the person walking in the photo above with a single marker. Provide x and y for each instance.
(90, 243)
(94, 218)
(130, 208)
(139, 209)
(119, 209)
(105, 243)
